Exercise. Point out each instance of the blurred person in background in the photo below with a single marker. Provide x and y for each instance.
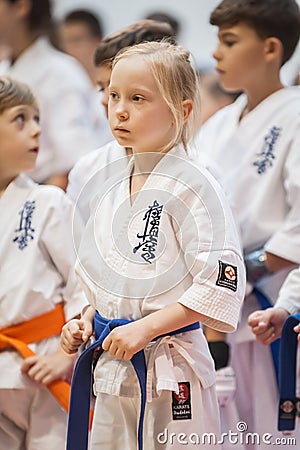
(62, 87)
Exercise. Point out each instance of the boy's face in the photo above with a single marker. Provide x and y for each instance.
(103, 74)
(139, 117)
(240, 57)
(19, 139)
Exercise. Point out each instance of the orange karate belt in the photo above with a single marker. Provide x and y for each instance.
(34, 330)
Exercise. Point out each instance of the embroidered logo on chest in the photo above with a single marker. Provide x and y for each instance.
(149, 237)
(267, 156)
(25, 232)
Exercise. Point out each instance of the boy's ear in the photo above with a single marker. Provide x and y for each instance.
(187, 106)
(23, 8)
(273, 49)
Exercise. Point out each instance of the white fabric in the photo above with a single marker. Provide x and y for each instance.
(107, 161)
(116, 419)
(70, 114)
(195, 231)
(34, 273)
(92, 171)
(31, 419)
(260, 159)
(289, 294)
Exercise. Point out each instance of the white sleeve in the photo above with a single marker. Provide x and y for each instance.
(289, 294)
(214, 259)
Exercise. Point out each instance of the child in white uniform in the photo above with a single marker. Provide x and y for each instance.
(111, 158)
(35, 297)
(68, 106)
(171, 258)
(256, 140)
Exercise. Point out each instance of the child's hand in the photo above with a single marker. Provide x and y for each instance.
(267, 325)
(297, 330)
(74, 334)
(47, 368)
(124, 341)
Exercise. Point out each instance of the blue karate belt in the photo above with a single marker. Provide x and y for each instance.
(265, 303)
(287, 375)
(78, 423)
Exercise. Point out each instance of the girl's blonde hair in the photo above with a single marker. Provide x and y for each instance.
(176, 80)
(14, 93)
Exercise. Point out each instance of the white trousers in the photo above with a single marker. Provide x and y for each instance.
(116, 420)
(31, 419)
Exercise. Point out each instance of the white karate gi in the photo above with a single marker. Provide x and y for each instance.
(69, 113)
(130, 269)
(91, 171)
(260, 159)
(37, 260)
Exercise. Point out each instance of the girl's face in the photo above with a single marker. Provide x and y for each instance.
(19, 140)
(138, 115)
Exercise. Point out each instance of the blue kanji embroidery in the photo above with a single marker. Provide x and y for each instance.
(25, 232)
(150, 234)
(267, 154)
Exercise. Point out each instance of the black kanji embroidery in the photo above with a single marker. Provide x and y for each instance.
(150, 235)
(25, 232)
(267, 155)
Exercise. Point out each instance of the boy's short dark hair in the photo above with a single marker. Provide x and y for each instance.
(142, 31)
(269, 18)
(92, 21)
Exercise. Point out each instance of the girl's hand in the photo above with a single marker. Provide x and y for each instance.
(267, 325)
(124, 341)
(74, 333)
(47, 368)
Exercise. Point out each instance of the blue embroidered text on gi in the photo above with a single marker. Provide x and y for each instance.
(267, 153)
(25, 230)
(150, 234)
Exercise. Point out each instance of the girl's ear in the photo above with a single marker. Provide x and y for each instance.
(273, 49)
(187, 106)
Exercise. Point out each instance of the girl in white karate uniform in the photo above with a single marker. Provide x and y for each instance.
(35, 296)
(160, 250)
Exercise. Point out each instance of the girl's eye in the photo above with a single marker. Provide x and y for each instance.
(113, 95)
(37, 119)
(137, 98)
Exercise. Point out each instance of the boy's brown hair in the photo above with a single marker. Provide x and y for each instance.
(14, 93)
(269, 18)
(142, 31)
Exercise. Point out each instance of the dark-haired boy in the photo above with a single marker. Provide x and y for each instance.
(256, 141)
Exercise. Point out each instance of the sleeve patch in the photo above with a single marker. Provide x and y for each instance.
(227, 276)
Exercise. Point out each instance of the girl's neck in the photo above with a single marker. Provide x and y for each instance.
(144, 163)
